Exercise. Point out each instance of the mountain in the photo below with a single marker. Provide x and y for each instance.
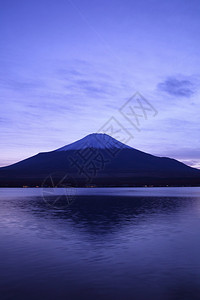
(100, 160)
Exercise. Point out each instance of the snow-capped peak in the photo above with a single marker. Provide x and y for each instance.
(95, 140)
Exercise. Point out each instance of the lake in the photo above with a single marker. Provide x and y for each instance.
(100, 243)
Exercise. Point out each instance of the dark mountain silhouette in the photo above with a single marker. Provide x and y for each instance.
(100, 160)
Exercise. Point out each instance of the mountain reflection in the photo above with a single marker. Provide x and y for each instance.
(102, 214)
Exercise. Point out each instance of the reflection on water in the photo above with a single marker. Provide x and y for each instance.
(107, 244)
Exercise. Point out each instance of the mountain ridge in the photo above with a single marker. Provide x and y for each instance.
(99, 160)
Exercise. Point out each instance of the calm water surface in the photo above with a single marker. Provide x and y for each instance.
(114, 243)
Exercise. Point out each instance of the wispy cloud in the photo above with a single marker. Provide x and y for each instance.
(178, 87)
(86, 79)
(21, 85)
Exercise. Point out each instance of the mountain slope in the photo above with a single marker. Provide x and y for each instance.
(101, 160)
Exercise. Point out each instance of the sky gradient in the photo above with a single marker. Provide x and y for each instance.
(68, 66)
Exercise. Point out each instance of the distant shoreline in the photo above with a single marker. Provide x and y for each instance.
(97, 187)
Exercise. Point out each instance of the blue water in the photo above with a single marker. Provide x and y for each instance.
(105, 243)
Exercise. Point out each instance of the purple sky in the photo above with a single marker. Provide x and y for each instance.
(66, 67)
